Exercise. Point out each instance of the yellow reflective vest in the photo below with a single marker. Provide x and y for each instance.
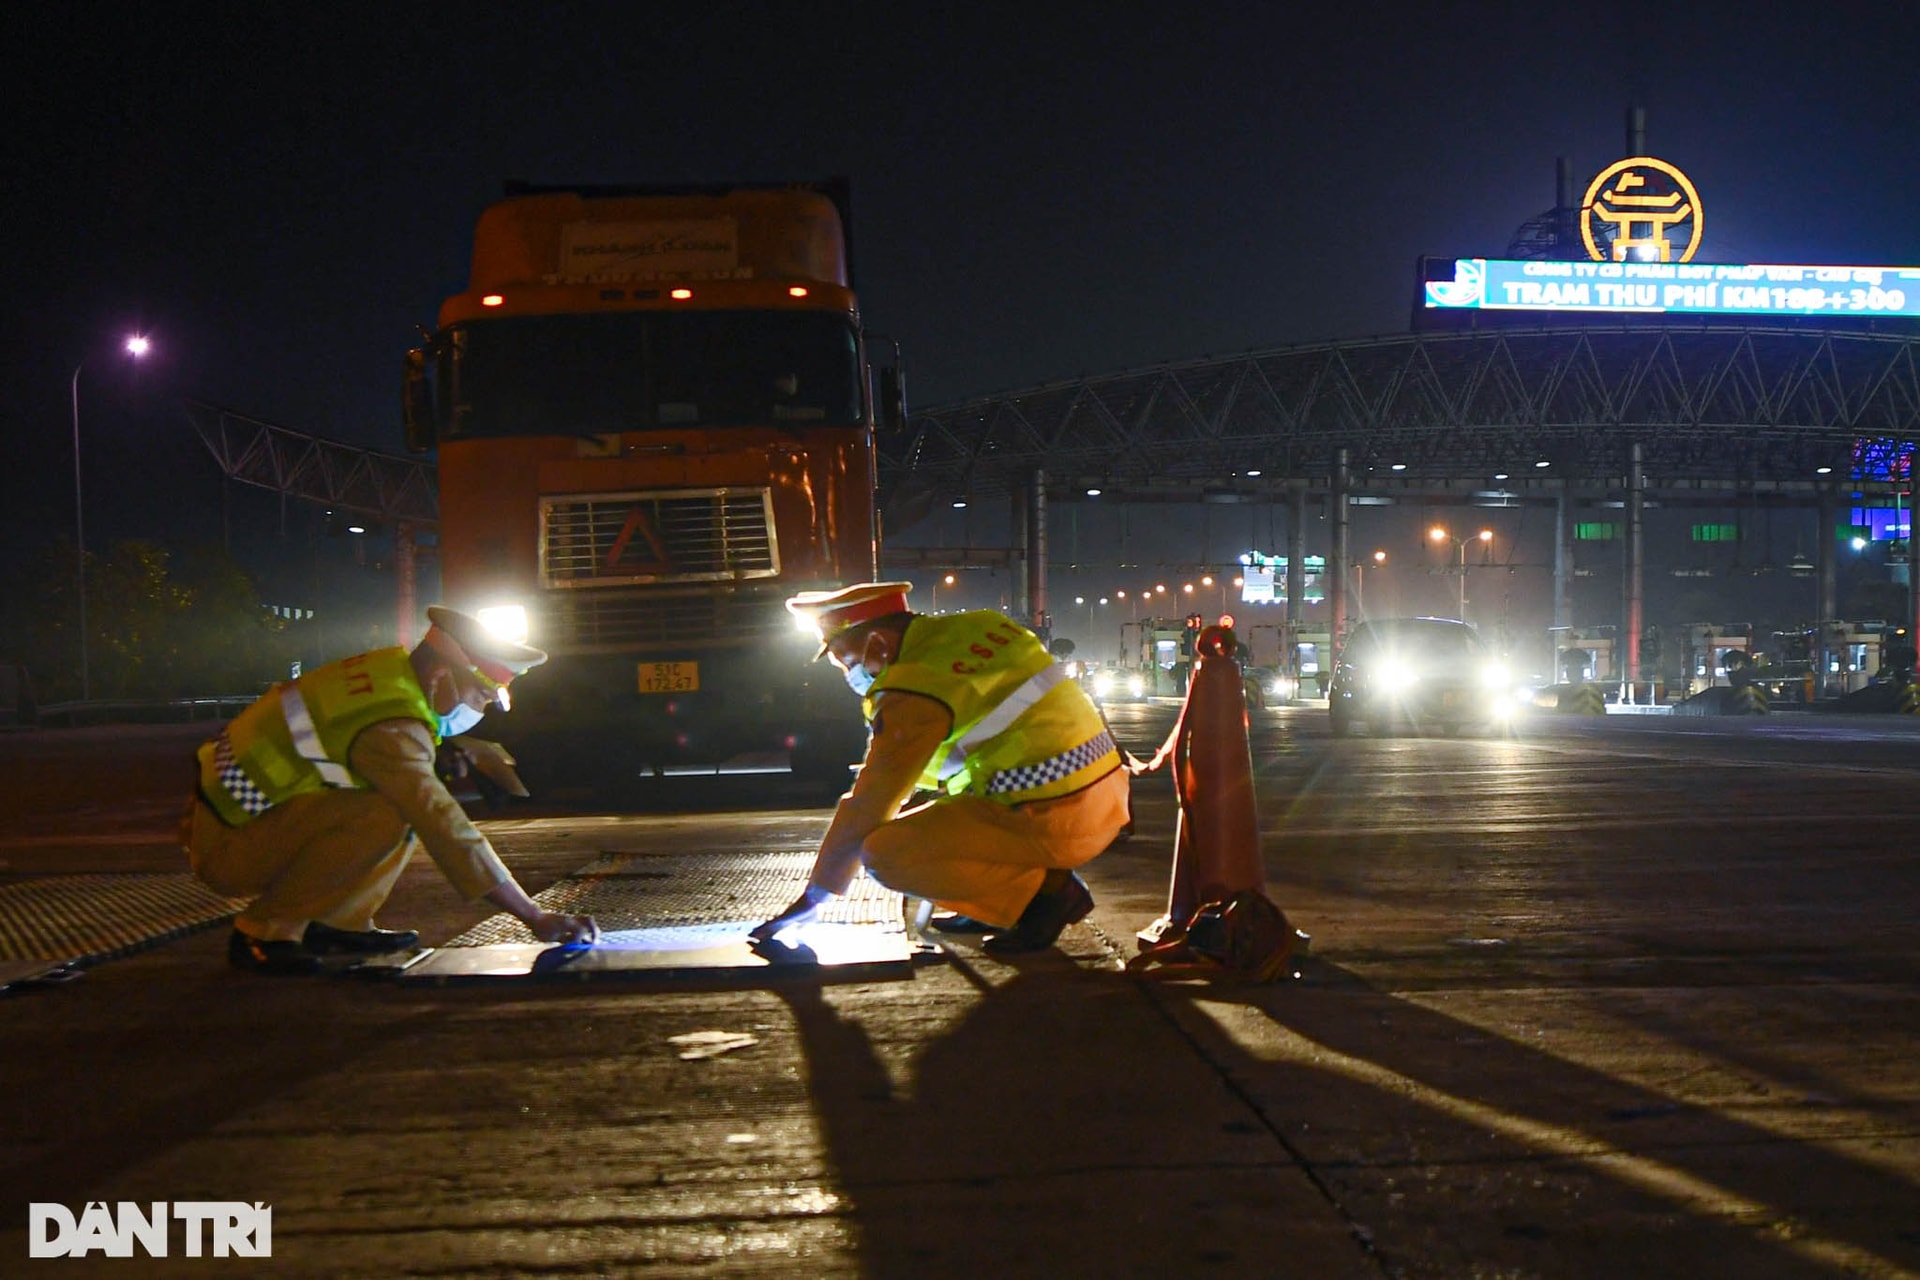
(295, 738)
(1022, 729)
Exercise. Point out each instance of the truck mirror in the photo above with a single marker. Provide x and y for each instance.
(416, 403)
(893, 399)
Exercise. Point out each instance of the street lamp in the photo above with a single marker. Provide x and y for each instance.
(1208, 581)
(1359, 581)
(934, 605)
(135, 346)
(1440, 534)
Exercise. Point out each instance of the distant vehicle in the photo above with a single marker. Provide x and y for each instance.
(1116, 684)
(1416, 673)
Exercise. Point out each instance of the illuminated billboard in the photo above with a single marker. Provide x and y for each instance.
(1264, 580)
(1506, 284)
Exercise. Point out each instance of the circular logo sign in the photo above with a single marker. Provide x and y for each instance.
(1641, 209)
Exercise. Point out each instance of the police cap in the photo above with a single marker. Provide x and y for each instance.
(831, 612)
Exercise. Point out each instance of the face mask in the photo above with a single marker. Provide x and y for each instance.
(459, 720)
(859, 679)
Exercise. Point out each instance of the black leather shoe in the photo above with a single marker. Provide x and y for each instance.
(259, 955)
(1040, 925)
(954, 922)
(325, 940)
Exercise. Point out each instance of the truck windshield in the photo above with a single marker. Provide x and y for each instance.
(628, 371)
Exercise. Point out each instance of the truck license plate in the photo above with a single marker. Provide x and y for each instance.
(669, 677)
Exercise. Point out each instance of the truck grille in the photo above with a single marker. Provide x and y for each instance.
(669, 535)
(636, 621)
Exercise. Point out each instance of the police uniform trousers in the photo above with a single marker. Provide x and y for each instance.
(985, 859)
(329, 856)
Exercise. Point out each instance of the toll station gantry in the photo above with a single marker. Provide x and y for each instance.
(1683, 413)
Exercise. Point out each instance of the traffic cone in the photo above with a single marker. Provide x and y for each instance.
(1216, 849)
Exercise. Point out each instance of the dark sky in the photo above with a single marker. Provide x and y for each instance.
(281, 193)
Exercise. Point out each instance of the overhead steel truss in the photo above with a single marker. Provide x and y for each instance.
(381, 486)
(1712, 406)
(1657, 409)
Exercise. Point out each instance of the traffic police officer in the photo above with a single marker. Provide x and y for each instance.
(971, 706)
(311, 801)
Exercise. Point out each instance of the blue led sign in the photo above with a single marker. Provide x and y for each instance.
(1692, 288)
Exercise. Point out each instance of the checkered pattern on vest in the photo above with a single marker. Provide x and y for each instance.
(1028, 776)
(235, 779)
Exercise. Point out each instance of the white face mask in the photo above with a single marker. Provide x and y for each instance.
(859, 679)
(459, 720)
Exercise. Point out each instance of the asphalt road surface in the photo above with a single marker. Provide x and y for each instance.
(1607, 997)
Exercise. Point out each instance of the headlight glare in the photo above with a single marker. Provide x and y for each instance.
(508, 621)
(1397, 677)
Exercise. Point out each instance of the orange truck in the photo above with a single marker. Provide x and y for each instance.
(654, 411)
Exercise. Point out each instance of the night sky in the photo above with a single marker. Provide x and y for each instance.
(280, 194)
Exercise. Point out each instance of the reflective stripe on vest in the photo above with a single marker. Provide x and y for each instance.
(306, 740)
(1028, 776)
(997, 720)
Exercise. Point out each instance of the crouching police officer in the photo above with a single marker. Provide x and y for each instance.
(972, 706)
(312, 799)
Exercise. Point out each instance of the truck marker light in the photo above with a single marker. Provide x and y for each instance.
(492, 300)
(796, 291)
(682, 294)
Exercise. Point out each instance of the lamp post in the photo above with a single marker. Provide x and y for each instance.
(934, 605)
(135, 346)
(1440, 534)
(1359, 581)
(1208, 581)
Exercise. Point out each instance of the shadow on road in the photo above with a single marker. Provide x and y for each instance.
(1468, 1152)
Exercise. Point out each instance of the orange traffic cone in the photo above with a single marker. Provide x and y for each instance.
(1216, 853)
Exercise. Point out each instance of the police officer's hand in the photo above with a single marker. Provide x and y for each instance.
(551, 926)
(799, 911)
(451, 761)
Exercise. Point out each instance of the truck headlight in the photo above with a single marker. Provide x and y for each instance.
(508, 621)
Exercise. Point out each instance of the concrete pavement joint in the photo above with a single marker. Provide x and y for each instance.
(1151, 991)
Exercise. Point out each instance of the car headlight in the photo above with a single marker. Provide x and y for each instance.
(508, 621)
(1103, 684)
(1396, 677)
(1495, 676)
(1135, 686)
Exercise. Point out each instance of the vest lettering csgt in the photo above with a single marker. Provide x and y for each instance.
(295, 738)
(1022, 731)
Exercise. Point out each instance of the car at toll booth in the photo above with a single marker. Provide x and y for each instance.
(1115, 684)
(1418, 674)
